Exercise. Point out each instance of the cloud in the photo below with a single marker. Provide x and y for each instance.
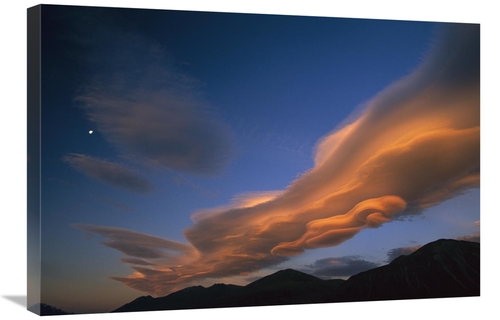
(474, 238)
(415, 145)
(111, 173)
(404, 251)
(331, 231)
(401, 251)
(136, 261)
(147, 107)
(136, 244)
(340, 267)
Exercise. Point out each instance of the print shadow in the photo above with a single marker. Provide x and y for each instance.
(19, 300)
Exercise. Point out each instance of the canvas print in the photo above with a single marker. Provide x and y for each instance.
(187, 160)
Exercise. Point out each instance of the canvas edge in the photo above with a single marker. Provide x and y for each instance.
(33, 159)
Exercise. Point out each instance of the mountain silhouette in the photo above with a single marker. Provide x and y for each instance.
(285, 287)
(43, 309)
(443, 268)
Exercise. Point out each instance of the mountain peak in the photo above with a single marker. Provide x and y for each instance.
(286, 276)
(43, 309)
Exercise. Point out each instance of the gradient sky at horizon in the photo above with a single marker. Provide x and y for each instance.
(195, 115)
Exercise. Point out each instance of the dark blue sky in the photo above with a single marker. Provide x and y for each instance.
(199, 118)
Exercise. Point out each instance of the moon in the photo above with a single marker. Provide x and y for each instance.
(91, 131)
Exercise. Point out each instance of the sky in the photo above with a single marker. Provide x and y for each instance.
(186, 148)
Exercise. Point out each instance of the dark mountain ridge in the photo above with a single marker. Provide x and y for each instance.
(443, 268)
(43, 309)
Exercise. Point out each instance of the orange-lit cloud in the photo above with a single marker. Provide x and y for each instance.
(415, 145)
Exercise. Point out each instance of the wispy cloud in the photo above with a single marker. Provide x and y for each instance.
(474, 238)
(111, 173)
(340, 267)
(146, 106)
(137, 261)
(401, 251)
(415, 145)
(137, 244)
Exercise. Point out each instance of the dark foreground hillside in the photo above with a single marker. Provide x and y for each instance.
(283, 287)
(443, 268)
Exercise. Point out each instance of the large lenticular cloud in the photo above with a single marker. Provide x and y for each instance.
(415, 145)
